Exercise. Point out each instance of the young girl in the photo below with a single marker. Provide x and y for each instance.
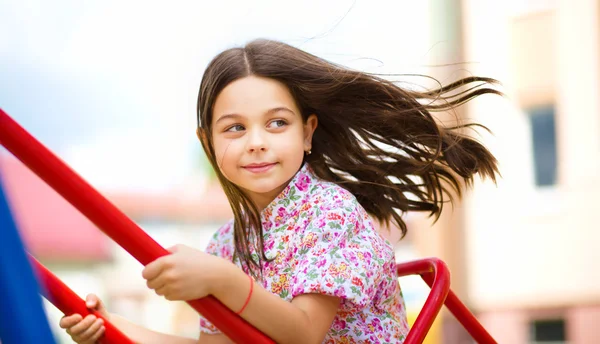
(308, 153)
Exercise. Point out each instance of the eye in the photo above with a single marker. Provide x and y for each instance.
(235, 128)
(278, 123)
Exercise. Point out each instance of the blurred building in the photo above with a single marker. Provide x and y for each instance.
(524, 253)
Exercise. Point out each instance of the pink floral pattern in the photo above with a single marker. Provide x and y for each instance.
(322, 241)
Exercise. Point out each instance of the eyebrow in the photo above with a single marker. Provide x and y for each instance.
(268, 112)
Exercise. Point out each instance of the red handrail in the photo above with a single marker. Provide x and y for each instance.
(437, 276)
(112, 221)
(68, 302)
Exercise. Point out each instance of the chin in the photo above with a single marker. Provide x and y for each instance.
(263, 189)
(266, 187)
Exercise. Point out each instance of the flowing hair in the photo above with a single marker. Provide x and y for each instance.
(374, 138)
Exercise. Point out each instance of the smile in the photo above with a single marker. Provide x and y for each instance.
(259, 168)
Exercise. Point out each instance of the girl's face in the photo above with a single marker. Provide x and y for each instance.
(259, 136)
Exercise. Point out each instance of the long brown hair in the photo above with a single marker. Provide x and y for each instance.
(374, 138)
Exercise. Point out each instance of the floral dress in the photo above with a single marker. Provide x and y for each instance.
(323, 241)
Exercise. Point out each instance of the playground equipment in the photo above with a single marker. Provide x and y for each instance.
(134, 240)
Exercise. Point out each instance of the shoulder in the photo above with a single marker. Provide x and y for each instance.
(333, 208)
(221, 242)
(339, 252)
(328, 197)
(337, 215)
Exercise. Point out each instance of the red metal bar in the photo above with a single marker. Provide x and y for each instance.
(112, 221)
(68, 302)
(437, 276)
(434, 302)
(466, 318)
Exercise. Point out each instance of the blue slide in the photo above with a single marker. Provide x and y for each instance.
(22, 316)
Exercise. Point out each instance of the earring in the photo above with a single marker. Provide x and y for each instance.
(308, 152)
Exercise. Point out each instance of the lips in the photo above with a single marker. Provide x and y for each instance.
(259, 167)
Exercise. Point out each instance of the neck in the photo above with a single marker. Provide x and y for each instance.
(262, 200)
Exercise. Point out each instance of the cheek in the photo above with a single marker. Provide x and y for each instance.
(225, 152)
(292, 144)
(291, 149)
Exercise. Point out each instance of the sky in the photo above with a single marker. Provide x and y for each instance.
(110, 86)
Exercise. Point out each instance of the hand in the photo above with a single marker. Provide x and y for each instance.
(89, 329)
(186, 274)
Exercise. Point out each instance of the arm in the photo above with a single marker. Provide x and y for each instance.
(206, 338)
(89, 329)
(188, 274)
(141, 334)
(306, 319)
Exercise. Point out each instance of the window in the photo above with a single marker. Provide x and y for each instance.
(548, 331)
(543, 132)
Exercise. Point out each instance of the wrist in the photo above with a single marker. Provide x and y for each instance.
(225, 280)
(236, 289)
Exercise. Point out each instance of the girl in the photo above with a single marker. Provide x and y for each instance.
(307, 153)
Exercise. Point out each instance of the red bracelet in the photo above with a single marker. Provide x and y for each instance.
(249, 295)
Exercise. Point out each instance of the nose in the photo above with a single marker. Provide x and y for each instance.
(256, 141)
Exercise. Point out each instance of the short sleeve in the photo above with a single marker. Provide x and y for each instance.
(221, 245)
(340, 254)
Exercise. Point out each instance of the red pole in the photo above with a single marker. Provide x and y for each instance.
(68, 302)
(468, 320)
(112, 221)
(437, 276)
(434, 302)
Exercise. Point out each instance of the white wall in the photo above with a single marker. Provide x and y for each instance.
(530, 246)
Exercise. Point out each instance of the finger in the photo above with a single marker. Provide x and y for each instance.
(153, 269)
(98, 334)
(92, 301)
(83, 325)
(175, 248)
(156, 283)
(69, 320)
(161, 291)
(91, 331)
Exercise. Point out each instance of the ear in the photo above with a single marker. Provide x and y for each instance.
(201, 133)
(203, 137)
(309, 129)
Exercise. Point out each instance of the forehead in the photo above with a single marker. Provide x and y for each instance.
(252, 95)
